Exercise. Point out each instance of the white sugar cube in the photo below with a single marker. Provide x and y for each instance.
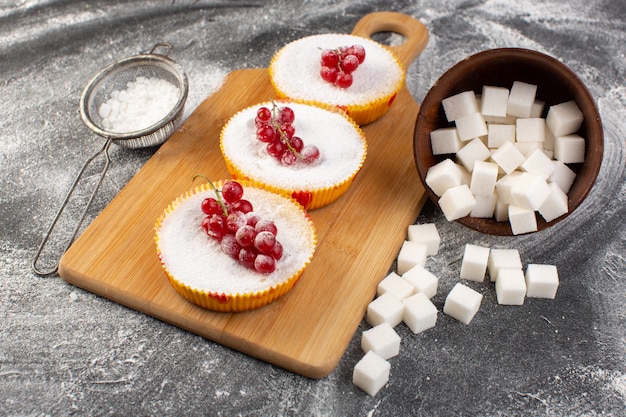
(371, 373)
(411, 254)
(422, 280)
(462, 303)
(474, 150)
(394, 284)
(386, 308)
(485, 206)
(563, 176)
(444, 175)
(569, 149)
(522, 220)
(419, 313)
(494, 101)
(510, 286)
(548, 142)
(425, 233)
(537, 109)
(471, 126)
(508, 157)
(457, 202)
(521, 99)
(474, 263)
(502, 258)
(530, 191)
(460, 105)
(530, 129)
(539, 164)
(564, 118)
(542, 281)
(506, 120)
(382, 340)
(484, 177)
(498, 134)
(445, 140)
(555, 205)
(527, 148)
(501, 212)
(504, 186)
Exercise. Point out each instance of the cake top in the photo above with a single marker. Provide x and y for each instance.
(295, 70)
(197, 260)
(340, 141)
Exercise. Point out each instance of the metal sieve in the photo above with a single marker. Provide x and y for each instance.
(116, 77)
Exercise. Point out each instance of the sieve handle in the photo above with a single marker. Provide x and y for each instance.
(54, 269)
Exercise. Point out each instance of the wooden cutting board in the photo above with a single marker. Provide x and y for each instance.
(359, 235)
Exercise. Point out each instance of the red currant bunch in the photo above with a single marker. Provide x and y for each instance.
(275, 128)
(338, 64)
(242, 234)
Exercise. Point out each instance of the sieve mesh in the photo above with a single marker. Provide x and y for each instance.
(116, 77)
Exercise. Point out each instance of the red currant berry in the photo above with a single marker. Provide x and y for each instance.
(247, 257)
(329, 74)
(288, 158)
(350, 63)
(216, 226)
(264, 242)
(232, 191)
(245, 235)
(230, 246)
(234, 221)
(288, 130)
(211, 206)
(344, 80)
(296, 143)
(242, 205)
(329, 58)
(310, 154)
(277, 251)
(266, 225)
(276, 148)
(264, 114)
(264, 264)
(265, 133)
(286, 115)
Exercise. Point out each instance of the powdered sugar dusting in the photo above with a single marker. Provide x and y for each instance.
(296, 70)
(341, 145)
(197, 260)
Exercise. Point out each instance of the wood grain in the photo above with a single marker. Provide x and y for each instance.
(359, 235)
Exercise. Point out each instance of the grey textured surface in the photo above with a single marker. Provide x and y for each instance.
(64, 351)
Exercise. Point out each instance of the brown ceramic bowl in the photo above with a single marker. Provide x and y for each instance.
(556, 83)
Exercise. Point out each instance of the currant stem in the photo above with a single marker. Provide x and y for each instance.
(217, 193)
(281, 132)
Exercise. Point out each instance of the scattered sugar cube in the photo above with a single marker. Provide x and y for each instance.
(371, 373)
(462, 303)
(555, 205)
(474, 150)
(537, 109)
(539, 164)
(483, 179)
(510, 286)
(474, 263)
(411, 254)
(530, 191)
(530, 130)
(522, 220)
(564, 119)
(501, 213)
(394, 284)
(422, 280)
(508, 157)
(426, 233)
(457, 202)
(460, 105)
(494, 101)
(563, 176)
(444, 175)
(548, 142)
(542, 281)
(485, 206)
(502, 258)
(419, 313)
(569, 149)
(498, 134)
(386, 308)
(471, 126)
(521, 99)
(382, 340)
(445, 140)
(504, 186)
